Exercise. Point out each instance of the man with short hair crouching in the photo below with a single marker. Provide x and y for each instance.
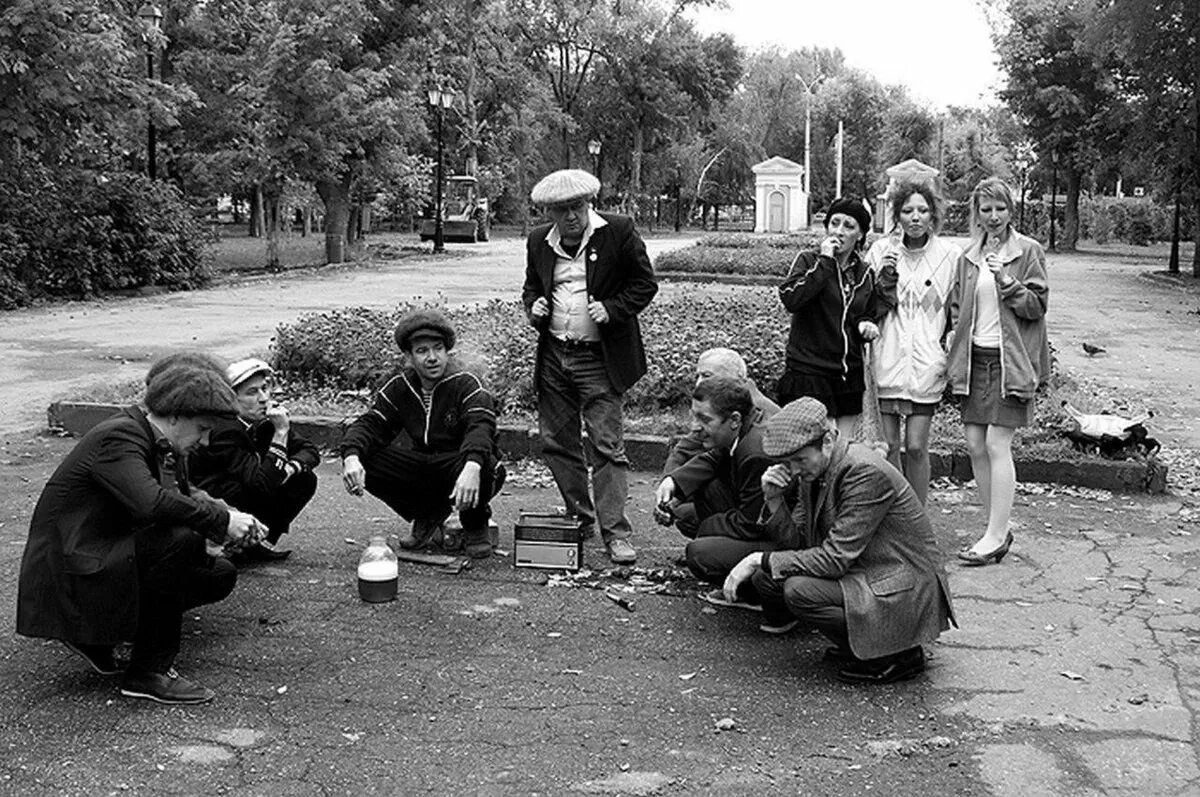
(453, 462)
(868, 574)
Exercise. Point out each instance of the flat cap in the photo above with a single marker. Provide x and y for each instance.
(242, 370)
(427, 322)
(800, 423)
(564, 185)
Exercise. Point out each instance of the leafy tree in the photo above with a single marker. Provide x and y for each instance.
(1061, 88)
(1158, 42)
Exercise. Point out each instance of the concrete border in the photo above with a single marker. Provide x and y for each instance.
(648, 452)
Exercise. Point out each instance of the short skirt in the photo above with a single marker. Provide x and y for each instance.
(984, 406)
(904, 407)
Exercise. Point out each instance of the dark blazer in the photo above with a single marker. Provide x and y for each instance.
(869, 531)
(240, 466)
(619, 274)
(78, 574)
(742, 470)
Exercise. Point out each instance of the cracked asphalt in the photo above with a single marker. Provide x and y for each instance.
(1076, 671)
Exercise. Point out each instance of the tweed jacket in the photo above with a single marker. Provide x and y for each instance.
(619, 275)
(868, 530)
(79, 578)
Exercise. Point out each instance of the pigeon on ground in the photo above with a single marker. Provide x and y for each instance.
(1092, 350)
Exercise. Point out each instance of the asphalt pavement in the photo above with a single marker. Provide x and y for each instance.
(1076, 671)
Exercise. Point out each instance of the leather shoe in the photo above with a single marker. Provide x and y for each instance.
(98, 657)
(423, 532)
(838, 655)
(886, 669)
(265, 553)
(169, 687)
(621, 552)
(971, 559)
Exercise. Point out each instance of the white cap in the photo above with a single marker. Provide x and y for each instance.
(242, 370)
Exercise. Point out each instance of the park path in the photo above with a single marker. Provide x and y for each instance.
(1148, 328)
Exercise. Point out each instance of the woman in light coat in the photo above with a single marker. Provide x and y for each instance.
(998, 355)
(909, 361)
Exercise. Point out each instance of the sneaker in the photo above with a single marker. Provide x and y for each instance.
(886, 669)
(169, 687)
(717, 598)
(98, 657)
(778, 627)
(621, 552)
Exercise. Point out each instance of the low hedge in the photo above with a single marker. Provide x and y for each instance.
(750, 254)
(353, 349)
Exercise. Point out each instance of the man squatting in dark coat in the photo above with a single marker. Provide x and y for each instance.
(867, 573)
(448, 415)
(717, 495)
(257, 462)
(116, 548)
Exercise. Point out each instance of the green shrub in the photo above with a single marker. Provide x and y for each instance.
(353, 348)
(743, 253)
(75, 232)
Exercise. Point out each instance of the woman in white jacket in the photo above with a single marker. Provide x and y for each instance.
(910, 363)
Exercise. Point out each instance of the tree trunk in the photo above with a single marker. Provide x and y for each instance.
(1070, 232)
(336, 196)
(1173, 263)
(256, 212)
(635, 169)
(270, 220)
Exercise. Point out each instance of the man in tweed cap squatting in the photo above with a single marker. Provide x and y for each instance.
(868, 573)
(587, 277)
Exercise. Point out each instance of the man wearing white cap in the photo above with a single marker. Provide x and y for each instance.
(256, 462)
(587, 277)
(868, 574)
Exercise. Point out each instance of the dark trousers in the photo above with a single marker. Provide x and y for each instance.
(284, 504)
(574, 385)
(174, 574)
(818, 602)
(710, 558)
(714, 498)
(417, 485)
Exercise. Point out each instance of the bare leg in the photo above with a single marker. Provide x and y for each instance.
(890, 424)
(916, 453)
(1002, 487)
(976, 435)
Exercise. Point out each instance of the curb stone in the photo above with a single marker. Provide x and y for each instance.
(648, 452)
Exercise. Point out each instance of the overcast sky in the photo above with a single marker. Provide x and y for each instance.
(939, 49)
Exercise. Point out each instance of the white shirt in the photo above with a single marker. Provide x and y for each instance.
(569, 319)
(986, 331)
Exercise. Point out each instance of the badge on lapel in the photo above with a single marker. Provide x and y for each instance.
(592, 255)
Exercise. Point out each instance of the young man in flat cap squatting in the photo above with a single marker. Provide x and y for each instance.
(587, 277)
(453, 463)
(257, 462)
(868, 573)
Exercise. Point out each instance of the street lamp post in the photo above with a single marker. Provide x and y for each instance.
(594, 150)
(152, 17)
(1053, 196)
(809, 86)
(1022, 169)
(439, 100)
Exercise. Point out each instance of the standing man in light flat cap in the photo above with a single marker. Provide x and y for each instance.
(868, 574)
(587, 277)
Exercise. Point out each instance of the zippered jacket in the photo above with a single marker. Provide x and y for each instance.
(909, 360)
(461, 418)
(1024, 347)
(827, 304)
